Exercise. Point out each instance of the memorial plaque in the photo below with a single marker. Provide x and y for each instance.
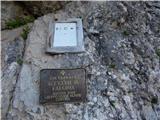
(62, 85)
(65, 37)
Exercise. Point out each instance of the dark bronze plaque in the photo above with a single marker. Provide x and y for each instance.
(62, 85)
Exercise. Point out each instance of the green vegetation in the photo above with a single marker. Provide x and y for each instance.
(154, 100)
(158, 52)
(112, 65)
(19, 61)
(19, 22)
(112, 103)
(125, 32)
(25, 32)
(129, 92)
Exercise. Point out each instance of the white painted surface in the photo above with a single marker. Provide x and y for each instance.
(65, 35)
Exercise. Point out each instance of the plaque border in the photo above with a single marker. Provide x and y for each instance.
(66, 49)
(55, 103)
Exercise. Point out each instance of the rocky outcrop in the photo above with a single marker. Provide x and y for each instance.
(10, 11)
(122, 65)
(17, 12)
(13, 46)
(40, 8)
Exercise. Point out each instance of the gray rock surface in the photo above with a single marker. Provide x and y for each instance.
(9, 11)
(11, 52)
(13, 47)
(40, 8)
(123, 68)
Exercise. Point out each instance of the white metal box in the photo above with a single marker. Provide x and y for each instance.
(65, 37)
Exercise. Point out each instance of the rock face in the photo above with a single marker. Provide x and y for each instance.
(19, 10)
(123, 67)
(12, 56)
(40, 8)
(10, 11)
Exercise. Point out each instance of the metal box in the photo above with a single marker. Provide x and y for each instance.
(65, 37)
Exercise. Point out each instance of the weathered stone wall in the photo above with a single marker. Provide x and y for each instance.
(122, 62)
(13, 47)
(16, 10)
(9, 11)
(40, 8)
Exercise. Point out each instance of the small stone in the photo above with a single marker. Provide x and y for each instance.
(115, 24)
(124, 8)
(91, 103)
(95, 99)
(93, 31)
(122, 20)
(114, 76)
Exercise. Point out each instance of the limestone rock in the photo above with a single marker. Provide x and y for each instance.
(9, 11)
(40, 8)
(13, 46)
(10, 68)
(122, 66)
